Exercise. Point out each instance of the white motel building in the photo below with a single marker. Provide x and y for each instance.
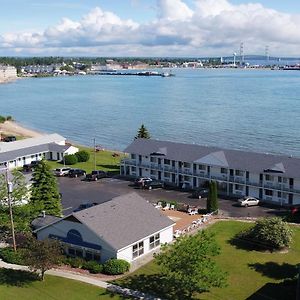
(271, 178)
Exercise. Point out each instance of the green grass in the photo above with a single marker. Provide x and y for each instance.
(104, 161)
(251, 274)
(15, 285)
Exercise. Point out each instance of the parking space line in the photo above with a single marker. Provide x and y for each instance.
(68, 208)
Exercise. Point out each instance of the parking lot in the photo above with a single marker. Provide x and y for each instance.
(75, 192)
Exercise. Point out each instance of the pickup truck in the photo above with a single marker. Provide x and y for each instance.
(95, 175)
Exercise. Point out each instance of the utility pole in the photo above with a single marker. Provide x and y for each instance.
(94, 154)
(9, 193)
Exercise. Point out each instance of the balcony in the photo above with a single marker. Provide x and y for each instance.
(128, 161)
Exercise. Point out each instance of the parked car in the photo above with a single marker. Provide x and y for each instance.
(84, 206)
(62, 171)
(95, 175)
(248, 201)
(31, 166)
(10, 138)
(152, 184)
(140, 180)
(76, 173)
(200, 193)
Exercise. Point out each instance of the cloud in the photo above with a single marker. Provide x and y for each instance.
(208, 27)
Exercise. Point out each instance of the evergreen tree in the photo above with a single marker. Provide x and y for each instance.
(143, 133)
(44, 192)
(212, 199)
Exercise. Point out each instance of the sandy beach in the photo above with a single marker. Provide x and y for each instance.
(13, 128)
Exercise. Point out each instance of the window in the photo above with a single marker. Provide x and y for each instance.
(167, 161)
(133, 156)
(201, 167)
(268, 192)
(138, 249)
(133, 169)
(223, 171)
(239, 173)
(78, 252)
(269, 177)
(154, 241)
(71, 251)
(186, 165)
(167, 174)
(279, 194)
(239, 187)
(89, 255)
(153, 159)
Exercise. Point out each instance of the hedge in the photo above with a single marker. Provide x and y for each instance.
(10, 256)
(82, 156)
(116, 267)
(93, 266)
(70, 159)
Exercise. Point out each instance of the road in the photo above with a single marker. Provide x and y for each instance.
(75, 192)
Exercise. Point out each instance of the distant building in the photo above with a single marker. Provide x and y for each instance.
(271, 178)
(7, 73)
(19, 153)
(127, 227)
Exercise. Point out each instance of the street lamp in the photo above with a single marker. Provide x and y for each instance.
(9, 193)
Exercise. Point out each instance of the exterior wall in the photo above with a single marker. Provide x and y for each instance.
(166, 236)
(61, 229)
(71, 150)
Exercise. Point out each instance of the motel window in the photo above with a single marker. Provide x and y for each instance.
(89, 255)
(239, 173)
(133, 156)
(167, 161)
(269, 177)
(154, 241)
(186, 165)
(224, 171)
(284, 180)
(167, 174)
(279, 194)
(153, 159)
(279, 179)
(133, 169)
(138, 249)
(201, 167)
(239, 187)
(268, 192)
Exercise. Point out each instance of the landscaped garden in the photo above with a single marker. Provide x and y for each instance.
(23, 285)
(108, 161)
(252, 274)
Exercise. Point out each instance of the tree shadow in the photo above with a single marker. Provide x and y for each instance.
(17, 277)
(111, 167)
(156, 285)
(274, 270)
(285, 290)
(248, 244)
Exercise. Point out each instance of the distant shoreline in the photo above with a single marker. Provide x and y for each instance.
(14, 128)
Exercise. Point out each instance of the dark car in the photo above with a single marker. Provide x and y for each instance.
(31, 166)
(152, 184)
(200, 193)
(84, 206)
(95, 175)
(76, 173)
(10, 138)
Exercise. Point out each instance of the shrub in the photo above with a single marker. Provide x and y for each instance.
(9, 118)
(2, 119)
(93, 266)
(271, 232)
(74, 262)
(70, 159)
(116, 267)
(10, 256)
(82, 156)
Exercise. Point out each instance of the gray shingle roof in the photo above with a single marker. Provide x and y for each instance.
(40, 222)
(236, 159)
(123, 220)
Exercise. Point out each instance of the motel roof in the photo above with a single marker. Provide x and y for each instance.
(235, 159)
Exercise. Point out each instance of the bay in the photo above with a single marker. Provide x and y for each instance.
(255, 110)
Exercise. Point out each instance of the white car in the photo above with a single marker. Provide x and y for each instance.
(248, 201)
(62, 171)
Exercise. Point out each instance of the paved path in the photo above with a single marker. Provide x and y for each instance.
(86, 279)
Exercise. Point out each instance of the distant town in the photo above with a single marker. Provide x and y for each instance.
(11, 67)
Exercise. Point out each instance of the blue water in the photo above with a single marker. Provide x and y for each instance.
(256, 110)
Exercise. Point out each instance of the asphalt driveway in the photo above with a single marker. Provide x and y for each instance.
(75, 192)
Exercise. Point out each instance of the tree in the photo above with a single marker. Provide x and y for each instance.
(188, 264)
(82, 156)
(42, 255)
(20, 189)
(44, 191)
(212, 199)
(143, 133)
(271, 232)
(70, 159)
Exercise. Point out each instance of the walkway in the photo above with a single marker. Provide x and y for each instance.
(86, 279)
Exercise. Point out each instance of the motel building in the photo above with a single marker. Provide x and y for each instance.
(270, 178)
(19, 153)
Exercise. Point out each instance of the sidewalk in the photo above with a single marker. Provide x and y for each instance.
(86, 279)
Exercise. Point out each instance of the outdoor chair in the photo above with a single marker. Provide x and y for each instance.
(167, 207)
(172, 207)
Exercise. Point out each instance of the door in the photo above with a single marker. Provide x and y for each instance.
(230, 188)
(260, 193)
(247, 190)
(159, 175)
(291, 199)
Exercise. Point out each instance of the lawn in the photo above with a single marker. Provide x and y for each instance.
(251, 274)
(15, 285)
(104, 161)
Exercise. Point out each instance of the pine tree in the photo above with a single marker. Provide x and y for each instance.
(143, 133)
(44, 192)
(212, 199)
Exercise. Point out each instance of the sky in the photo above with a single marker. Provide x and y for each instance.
(148, 27)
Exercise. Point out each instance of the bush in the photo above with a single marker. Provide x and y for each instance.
(2, 119)
(70, 159)
(10, 256)
(271, 232)
(82, 156)
(93, 266)
(116, 267)
(74, 262)
(9, 118)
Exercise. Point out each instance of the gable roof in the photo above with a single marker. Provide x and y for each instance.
(123, 220)
(235, 159)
